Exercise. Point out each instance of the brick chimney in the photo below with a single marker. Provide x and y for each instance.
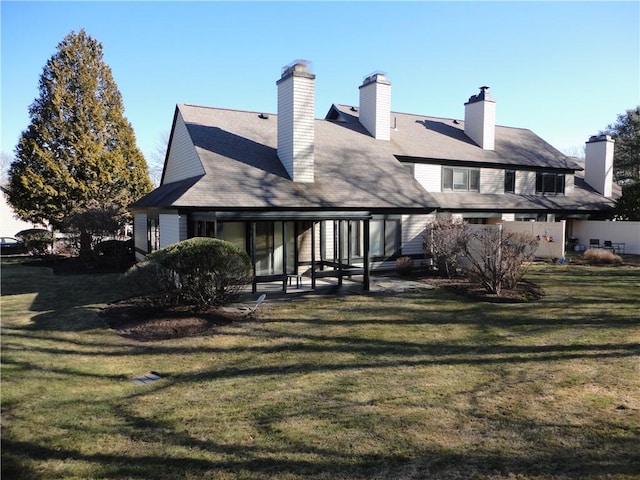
(375, 106)
(598, 164)
(296, 120)
(480, 119)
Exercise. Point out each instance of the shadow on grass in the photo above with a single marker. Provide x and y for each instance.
(299, 459)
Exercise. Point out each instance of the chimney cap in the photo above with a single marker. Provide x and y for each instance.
(298, 66)
(377, 76)
(483, 96)
(600, 138)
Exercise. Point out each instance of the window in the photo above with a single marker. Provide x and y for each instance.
(509, 181)
(153, 234)
(461, 179)
(549, 183)
(269, 248)
(384, 236)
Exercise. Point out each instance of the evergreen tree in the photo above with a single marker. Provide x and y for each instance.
(626, 132)
(628, 205)
(79, 148)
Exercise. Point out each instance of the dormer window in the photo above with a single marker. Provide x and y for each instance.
(461, 179)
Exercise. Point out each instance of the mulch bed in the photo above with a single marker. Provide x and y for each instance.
(524, 292)
(141, 322)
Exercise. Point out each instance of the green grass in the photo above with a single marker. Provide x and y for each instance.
(426, 385)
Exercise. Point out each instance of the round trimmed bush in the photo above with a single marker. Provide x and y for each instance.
(200, 272)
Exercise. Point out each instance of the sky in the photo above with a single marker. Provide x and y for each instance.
(564, 70)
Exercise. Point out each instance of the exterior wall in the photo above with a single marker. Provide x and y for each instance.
(618, 232)
(569, 180)
(296, 123)
(598, 164)
(412, 228)
(9, 225)
(480, 123)
(525, 182)
(552, 236)
(183, 161)
(429, 176)
(140, 241)
(173, 228)
(491, 180)
(375, 106)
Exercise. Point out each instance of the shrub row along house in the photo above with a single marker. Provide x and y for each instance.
(351, 192)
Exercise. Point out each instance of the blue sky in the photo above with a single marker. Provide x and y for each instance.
(562, 69)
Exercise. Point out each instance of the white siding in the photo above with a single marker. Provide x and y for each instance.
(429, 176)
(296, 126)
(491, 180)
(525, 182)
(183, 161)
(412, 229)
(375, 106)
(140, 233)
(480, 123)
(569, 180)
(173, 228)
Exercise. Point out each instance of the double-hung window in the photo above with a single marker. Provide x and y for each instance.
(461, 179)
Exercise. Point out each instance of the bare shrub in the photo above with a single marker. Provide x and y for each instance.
(598, 256)
(495, 259)
(445, 240)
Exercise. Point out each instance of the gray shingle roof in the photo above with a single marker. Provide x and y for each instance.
(238, 152)
(420, 136)
(354, 171)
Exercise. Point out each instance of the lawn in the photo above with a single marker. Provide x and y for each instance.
(404, 386)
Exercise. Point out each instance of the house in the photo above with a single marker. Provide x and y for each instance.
(351, 192)
(10, 224)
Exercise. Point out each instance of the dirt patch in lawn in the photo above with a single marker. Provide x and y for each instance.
(140, 322)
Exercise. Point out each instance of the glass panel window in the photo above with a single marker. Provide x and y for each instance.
(384, 237)
(509, 181)
(234, 232)
(560, 184)
(474, 180)
(153, 234)
(269, 248)
(447, 178)
(550, 183)
(460, 179)
(376, 234)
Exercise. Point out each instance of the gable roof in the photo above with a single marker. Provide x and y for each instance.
(435, 138)
(242, 170)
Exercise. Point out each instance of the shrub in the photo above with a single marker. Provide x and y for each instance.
(114, 253)
(37, 240)
(495, 259)
(404, 265)
(445, 240)
(598, 256)
(199, 272)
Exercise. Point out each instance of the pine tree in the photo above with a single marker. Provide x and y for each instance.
(626, 132)
(79, 148)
